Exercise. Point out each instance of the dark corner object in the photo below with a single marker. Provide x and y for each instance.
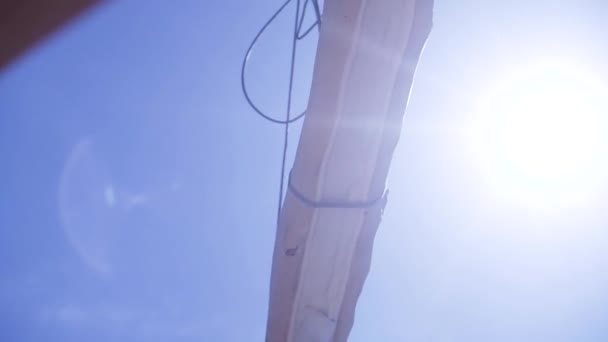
(25, 22)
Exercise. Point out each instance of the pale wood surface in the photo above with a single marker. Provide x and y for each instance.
(363, 72)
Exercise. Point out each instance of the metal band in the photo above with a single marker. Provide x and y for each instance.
(335, 204)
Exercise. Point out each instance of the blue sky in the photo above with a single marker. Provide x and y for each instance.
(138, 190)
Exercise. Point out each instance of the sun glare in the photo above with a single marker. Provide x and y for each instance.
(540, 135)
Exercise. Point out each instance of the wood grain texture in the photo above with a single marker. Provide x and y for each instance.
(367, 53)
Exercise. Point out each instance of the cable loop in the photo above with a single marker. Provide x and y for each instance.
(297, 35)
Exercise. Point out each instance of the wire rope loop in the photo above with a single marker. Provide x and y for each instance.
(296, 36)
(244, 67)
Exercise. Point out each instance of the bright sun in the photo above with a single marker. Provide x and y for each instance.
(540, 136)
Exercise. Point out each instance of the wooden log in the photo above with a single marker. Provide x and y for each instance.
(365, 63)
(25, 22)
